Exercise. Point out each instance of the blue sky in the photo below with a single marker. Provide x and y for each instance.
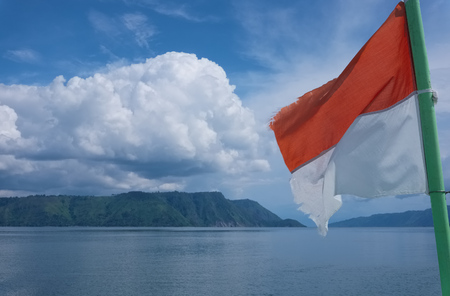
(108, 96)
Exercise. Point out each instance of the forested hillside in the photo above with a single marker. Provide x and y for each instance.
(202, 209)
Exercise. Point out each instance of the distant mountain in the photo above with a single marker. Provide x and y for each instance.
(407, 219)
(202, 209)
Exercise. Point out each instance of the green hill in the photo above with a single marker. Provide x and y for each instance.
(407, 219)
(202, 209)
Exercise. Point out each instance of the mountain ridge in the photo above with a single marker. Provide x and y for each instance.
(419, 218)
(137, 208)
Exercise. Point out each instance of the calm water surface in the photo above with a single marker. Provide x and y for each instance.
(217, 261)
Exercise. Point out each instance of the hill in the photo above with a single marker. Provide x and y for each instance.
(407, 219)
(202, 209)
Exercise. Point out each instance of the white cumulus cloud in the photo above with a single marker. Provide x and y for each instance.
(147, 126)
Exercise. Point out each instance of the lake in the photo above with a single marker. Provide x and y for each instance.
(217, 261)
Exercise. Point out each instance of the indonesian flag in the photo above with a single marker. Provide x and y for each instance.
(360, 133)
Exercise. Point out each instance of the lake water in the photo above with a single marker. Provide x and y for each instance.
(217, 261)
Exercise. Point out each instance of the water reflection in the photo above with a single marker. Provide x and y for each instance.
(217, 261)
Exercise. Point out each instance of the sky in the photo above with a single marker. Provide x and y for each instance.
(99, 97)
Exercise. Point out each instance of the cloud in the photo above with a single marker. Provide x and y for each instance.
(279, 36)
(23, 56)
(138, 24)
(103, 23)
(120, 27)
(176, 10)
(147, 126)
(269, 32)
(180, 11)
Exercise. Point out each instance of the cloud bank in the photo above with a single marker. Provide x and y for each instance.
(148, 126)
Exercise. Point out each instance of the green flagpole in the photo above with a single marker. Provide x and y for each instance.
(430, 143)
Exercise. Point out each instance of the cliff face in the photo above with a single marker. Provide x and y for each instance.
(202, 209)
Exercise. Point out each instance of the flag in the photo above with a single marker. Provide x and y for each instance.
(359, 134)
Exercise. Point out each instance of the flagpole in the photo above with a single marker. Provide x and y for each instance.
(430, 143)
